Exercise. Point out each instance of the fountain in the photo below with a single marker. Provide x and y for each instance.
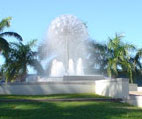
(66, 39)
(65, 46)
(57, 68)
(71, 67)
(66, 50)
(79, 69)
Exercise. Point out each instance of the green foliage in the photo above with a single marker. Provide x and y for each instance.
(20, 56)
(115, 58)
(4, 45)
(120, 57)
(5, 23)
(98, 57)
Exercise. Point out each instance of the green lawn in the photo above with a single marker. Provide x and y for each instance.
(85, 95)
(66, 110)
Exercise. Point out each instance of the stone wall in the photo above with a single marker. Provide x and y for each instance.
(47, 88)
(133, 87)
(135, 100)
(115, 88)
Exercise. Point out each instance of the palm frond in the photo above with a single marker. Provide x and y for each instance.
(37, 66)
(4, 47)
(138, 54)
(5, 23)
(13, 34)
(32, 43)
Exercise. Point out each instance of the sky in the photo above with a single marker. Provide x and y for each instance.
(104, 18)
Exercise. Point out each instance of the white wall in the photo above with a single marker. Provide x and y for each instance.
(139, 89)
(135, 100)
(117, 88)
(135, 97)
(47, 88)
(133, 87)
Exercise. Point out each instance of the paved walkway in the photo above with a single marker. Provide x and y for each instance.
(138, 93)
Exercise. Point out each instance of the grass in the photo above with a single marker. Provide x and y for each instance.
(66, 110)
(53, 96)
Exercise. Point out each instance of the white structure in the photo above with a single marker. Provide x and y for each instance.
(135, 95)
(117, 88)
(135, 100)
(114, 88)
(65, 40)
(133, 87)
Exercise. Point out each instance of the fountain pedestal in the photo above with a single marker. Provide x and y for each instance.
(83, 78)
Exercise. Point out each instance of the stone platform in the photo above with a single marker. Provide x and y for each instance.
(135, 98)
(116, 88)
(137, 93)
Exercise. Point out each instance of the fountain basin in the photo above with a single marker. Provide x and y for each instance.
(117, 88)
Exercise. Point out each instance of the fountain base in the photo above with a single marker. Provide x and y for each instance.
(83, 77)
(65, 78)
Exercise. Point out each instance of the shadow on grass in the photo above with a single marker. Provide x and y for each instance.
(68, 110)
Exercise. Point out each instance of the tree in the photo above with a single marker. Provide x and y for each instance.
(120, 57)
(98, 56)
(21, 56)
(4, 45)
(136, 61)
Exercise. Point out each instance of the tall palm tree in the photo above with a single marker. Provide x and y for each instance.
(20, 57)
(120, 57)
(4, 45)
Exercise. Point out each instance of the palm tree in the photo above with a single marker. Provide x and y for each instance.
(4, 45)
(120, 57)
(98, 56)
(20, 57)
(136, 61)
